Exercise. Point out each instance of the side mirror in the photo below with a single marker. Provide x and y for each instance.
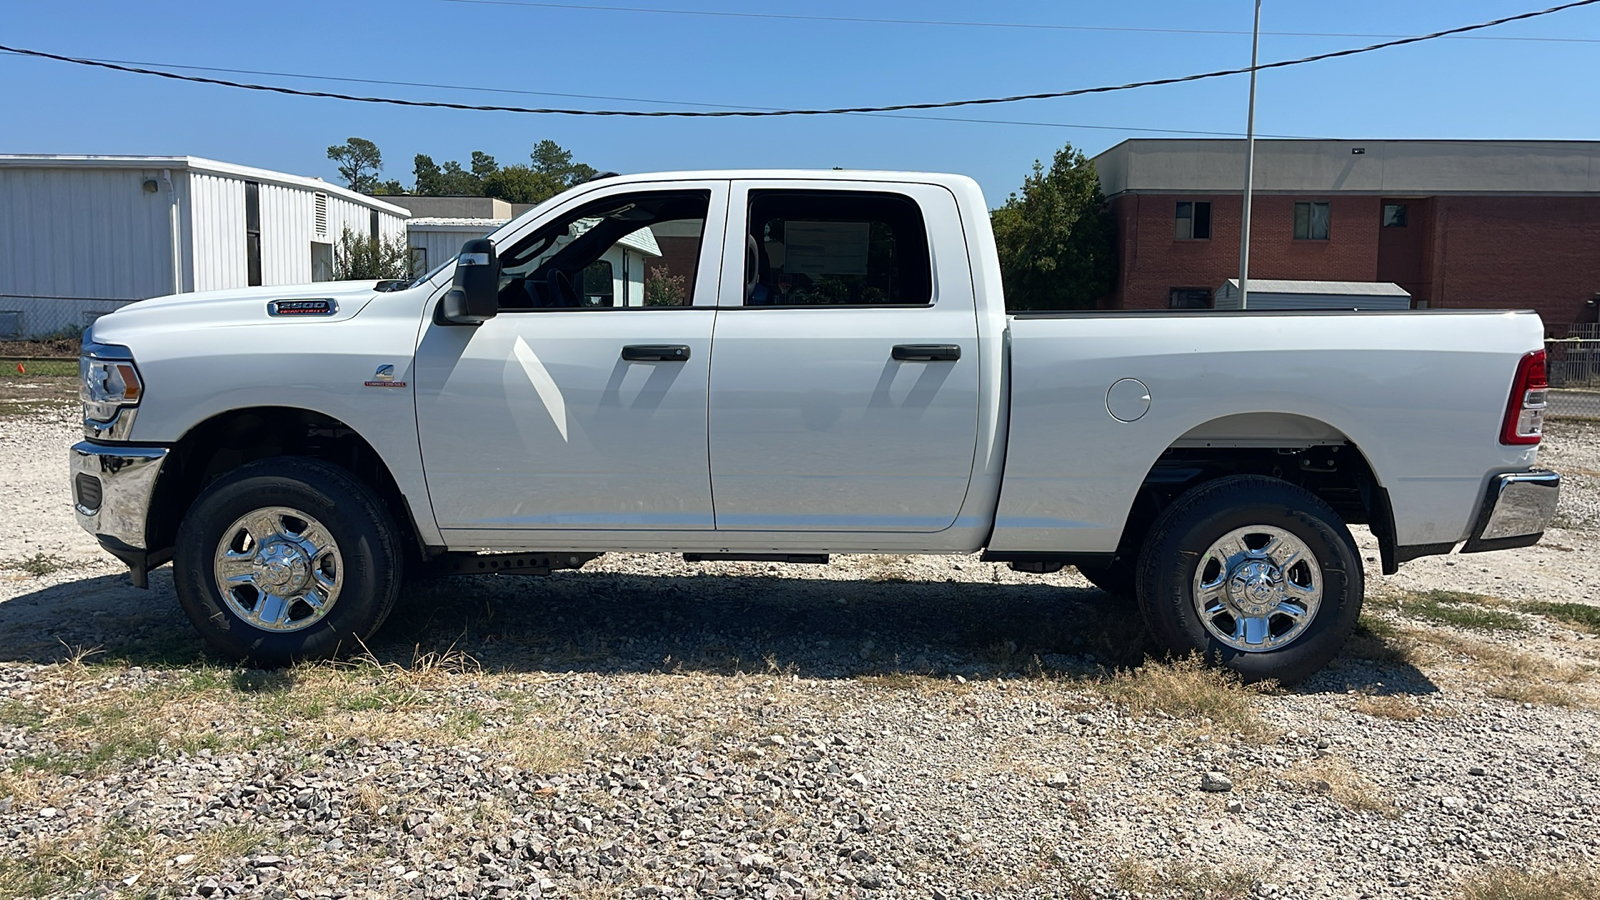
(475, 296)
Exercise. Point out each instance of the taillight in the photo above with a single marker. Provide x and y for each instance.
(1524, 422)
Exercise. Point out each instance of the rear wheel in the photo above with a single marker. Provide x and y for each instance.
(286, 559)
(1255, 573)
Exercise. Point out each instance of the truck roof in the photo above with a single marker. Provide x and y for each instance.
(940, 178)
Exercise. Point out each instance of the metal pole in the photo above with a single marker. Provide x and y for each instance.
(1249, 168)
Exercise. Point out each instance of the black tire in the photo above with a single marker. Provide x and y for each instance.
(1120, 579)
(1186, 531)
(370, 560)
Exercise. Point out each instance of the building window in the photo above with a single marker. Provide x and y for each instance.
(372, 222)
(419, 261)
(1193, 221)
(252, 233)
(1311, 221)
(1189, 298)
(1394, 215)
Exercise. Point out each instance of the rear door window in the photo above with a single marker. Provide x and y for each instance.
(836, 248)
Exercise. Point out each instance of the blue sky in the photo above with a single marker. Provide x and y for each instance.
(1443, 89)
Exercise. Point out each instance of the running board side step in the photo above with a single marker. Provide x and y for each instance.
(814, 559)
(507, 563)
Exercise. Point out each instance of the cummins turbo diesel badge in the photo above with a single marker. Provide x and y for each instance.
(302, 308)
(384, 377)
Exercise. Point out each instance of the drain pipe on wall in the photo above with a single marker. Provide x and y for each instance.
(172, 227)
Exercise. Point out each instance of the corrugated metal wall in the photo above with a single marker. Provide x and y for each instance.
(288, 229)
(442, 244)
(216, 231)
(77, 241)
(84, 233)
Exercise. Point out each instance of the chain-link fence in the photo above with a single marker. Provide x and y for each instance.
(31, 318)
(1573, 361)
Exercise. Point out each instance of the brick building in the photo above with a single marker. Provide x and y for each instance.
(1480, 224)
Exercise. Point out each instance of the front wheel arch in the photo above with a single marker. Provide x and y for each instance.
(226, 441)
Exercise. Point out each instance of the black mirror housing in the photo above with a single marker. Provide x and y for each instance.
(474, 297)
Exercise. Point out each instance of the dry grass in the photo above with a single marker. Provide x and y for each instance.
(1189, 690)
(1580, 616)
(1509, 883)
(37, 565)
(1381, 641)
(1143, 880)
(1516, 676)
(96, 718)
(1460, 609)
(1389, 706)
(1502, 672)
(117, 851)
(1336, 779)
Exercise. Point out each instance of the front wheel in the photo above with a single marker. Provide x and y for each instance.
(286, 559)
(1255, 573)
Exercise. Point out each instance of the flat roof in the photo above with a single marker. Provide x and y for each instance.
(195, 164)
(454, 223)
(1342, 288)
(1397, 168)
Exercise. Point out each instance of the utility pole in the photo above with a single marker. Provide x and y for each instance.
(1249, 168)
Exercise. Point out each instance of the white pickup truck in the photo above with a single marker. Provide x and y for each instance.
(783, 365)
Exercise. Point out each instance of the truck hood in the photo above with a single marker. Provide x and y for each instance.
(237, 306)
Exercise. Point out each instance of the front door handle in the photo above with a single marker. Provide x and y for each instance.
(655, 352)
(926, 352)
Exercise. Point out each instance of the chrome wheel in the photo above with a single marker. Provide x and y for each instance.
(1257, 588)
(278, 569)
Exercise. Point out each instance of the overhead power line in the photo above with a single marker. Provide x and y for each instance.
(770, 113)
(501, 90)
(949, 23)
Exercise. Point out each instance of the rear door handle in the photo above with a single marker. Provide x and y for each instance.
(927, 352)
(655, 352)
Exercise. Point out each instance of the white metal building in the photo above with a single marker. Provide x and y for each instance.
(434, 239)
(1272, 293)
(82, 235)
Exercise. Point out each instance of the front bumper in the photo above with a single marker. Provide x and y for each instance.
(112, 487)
(1516, 510)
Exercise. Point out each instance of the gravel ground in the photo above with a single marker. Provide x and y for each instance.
(884, 727)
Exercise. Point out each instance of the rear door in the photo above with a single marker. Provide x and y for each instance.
(844, 377)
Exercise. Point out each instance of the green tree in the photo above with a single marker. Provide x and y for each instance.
(392, 186)
(483, 165)
(363, 257)
(550, 158)
(451, 180)
(359, 163)
(1057, 240)
(429, 180)
(522, 184)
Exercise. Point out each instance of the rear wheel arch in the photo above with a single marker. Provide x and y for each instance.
(1301, 450)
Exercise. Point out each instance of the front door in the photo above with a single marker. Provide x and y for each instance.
(844, 383)
(582, 404)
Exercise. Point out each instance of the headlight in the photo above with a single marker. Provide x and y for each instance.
(109, 381)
